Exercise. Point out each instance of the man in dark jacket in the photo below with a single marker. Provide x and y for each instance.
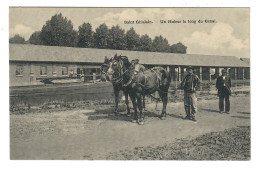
(223, 85)
(189, 84)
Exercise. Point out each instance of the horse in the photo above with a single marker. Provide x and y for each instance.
(140, 84)
(117, 83)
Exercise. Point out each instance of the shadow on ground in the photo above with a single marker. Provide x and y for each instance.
(121, 117)
(210, 110)
(241, 117)
(244, 113)
(108, 114)
(175, 116)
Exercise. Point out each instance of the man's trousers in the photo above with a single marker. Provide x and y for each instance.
(190, 104)
(221, 103)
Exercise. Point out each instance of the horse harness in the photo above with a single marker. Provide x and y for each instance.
(132, 80)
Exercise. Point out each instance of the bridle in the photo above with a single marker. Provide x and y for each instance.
(121, 72)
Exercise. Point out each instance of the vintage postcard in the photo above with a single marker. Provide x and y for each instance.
(129, 83)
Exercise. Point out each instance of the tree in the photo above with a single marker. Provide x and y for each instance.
(132, 39)
(160, 44)
(178, 48)
(35, 38)
(17, 39)
(116, 38)
(58, 32)
(85, 35)
(101, 37)
(145, 43)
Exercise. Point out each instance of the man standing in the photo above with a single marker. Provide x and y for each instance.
(223, 85)
(189, 85)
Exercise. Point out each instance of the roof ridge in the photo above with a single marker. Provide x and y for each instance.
(41, 53)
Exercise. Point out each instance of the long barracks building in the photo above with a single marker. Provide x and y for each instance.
(29, 63)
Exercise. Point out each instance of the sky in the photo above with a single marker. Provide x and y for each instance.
(227, 34)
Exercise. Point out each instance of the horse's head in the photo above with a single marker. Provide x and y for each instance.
(118, 66)
(115, 66)
(118, 63)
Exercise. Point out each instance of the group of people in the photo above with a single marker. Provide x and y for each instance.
(189, 84)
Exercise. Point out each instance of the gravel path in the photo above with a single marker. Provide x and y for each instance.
(97, 134)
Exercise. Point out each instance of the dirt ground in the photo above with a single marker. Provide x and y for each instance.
(80, 134)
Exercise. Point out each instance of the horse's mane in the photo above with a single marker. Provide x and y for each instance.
(107, 60)
(125, 60)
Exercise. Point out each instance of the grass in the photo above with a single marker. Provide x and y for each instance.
(231, 144)
(62, 104)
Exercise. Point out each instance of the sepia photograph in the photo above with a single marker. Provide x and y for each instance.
(121, 83)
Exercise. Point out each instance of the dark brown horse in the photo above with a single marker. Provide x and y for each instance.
(117, 85)
(140, 84)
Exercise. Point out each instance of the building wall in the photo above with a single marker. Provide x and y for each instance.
(31, 71)
(19, 79)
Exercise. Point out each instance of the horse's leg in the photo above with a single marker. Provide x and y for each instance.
(140, 107)
(164, 97)
(132, 96)
(144, 101)
(116, 92)
(127, 102)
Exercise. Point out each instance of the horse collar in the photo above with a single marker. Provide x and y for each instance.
(130, 81)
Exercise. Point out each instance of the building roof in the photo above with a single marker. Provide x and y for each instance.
(247, 60)
(38, 53)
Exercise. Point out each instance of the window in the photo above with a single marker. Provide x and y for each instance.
(19, 70)
(92, 74)
(72, 71)
(64, 70)
(31, 69)
(43, 70)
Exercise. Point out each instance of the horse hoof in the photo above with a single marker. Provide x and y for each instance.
(134, 121)
(141, 122)
(162, 118)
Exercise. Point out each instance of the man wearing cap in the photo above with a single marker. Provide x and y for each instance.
(189, 84)
(223, 85)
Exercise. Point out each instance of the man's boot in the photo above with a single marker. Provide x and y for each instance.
(187, 110)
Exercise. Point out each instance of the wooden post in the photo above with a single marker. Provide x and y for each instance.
(227, 71)
(217, 72)
(200, 73)
(209, 74)
(175, 76)
(235, 73)
(179, 73)
(243, 74)
(182, 73)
